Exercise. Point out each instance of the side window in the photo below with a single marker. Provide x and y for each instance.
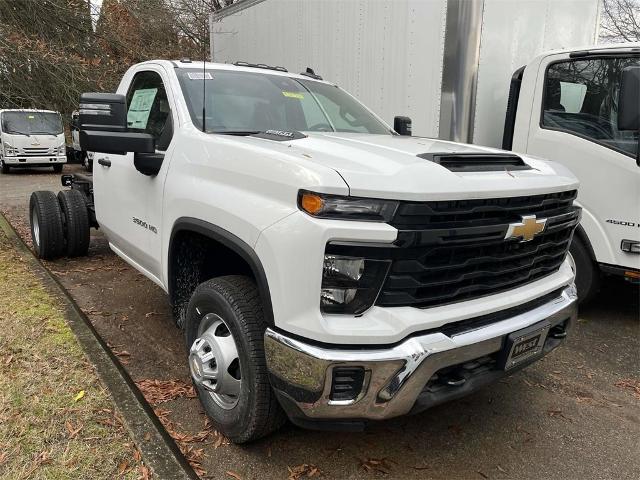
(581, 97)
(148, 108)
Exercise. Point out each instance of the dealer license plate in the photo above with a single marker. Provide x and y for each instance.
(524, 345)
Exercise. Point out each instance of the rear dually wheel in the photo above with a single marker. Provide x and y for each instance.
(46, 225)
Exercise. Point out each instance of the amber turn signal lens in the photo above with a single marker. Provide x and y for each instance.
(311, 203)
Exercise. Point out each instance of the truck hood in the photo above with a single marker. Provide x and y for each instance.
(39, 141)
(386, 166)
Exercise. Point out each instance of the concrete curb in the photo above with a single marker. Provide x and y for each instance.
(159, 452)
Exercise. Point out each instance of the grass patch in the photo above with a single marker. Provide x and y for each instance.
(48, 428)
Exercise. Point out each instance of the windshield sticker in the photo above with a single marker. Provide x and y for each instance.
(140, 107)
(199, 76)
(297, 95)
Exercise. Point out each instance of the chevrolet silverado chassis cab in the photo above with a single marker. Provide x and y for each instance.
(322, 267)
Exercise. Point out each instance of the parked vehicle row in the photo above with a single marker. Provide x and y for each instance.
(322, 267)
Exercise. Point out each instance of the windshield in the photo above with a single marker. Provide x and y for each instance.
(247, 102)
(29, 123)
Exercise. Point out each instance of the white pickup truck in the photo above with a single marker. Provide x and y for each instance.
(321, 265)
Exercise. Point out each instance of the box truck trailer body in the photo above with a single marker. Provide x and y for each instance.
(512, 74)
(445, 64)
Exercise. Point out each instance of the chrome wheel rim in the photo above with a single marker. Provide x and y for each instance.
(36, 228)
(214, 362)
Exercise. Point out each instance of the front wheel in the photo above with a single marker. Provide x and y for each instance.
(4, 167)
(58, 168)
(586, 270)
(224, 331)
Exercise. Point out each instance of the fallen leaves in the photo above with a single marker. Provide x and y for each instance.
(79, 396)
(304, 470)
(145, 473)
(233, 474)
(370, 465)
(160, 391)
(184, 440)
(630, 384)
(71, 429)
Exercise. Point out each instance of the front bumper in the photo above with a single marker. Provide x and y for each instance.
(407, 377)
(32, 161)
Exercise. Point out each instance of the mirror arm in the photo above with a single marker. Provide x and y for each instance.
(148, 163)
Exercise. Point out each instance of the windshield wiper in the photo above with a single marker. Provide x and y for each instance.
(16, 132)
(45, 133)
(239, 133)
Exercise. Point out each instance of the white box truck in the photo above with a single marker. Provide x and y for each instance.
(449, 65)
(31, 138)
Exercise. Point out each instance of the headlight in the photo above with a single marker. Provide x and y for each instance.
(350, 285)
(10, 151)
(346, 208)
(62, 150)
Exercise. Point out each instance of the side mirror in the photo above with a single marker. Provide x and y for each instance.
(629, 99)
(103, 111)
(102, 122)
(402, 125)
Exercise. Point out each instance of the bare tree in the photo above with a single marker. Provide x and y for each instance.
(620, 21)
(50, 52)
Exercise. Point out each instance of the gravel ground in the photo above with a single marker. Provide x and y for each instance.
(573, 415)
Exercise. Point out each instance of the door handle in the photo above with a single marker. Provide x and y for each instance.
(105, 162)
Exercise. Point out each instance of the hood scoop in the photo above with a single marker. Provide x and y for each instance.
(477, 162)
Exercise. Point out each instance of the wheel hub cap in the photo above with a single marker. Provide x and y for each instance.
(36, 228)
(214, 361)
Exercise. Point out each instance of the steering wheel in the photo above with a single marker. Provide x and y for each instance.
(321, 127)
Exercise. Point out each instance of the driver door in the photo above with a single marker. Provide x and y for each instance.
(128, 202)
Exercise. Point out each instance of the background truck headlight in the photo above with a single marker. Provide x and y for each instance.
(10, 151)
(350, 285)
(61, 150)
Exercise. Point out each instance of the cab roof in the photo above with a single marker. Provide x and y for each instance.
(266, 70)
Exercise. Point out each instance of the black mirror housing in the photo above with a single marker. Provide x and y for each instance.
(629, 99)
(106, 112)
(102, 121)
(117, 142)
(402, 125)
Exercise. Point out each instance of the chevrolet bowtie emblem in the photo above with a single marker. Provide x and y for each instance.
(525, 230)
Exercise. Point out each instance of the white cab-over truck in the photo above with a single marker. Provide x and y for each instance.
(449, 65)
(320, 264)
(31, 138)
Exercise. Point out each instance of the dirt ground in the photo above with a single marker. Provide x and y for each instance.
(573, 415)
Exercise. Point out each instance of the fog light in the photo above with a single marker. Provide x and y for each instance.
(337, 296)
(350, 285)
(343, 267)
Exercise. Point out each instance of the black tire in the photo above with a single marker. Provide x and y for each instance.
(236, 300)
(47, 235)
(58, 168)
(75, 218)
(87, 162)
(587, 272)
(4, 167)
